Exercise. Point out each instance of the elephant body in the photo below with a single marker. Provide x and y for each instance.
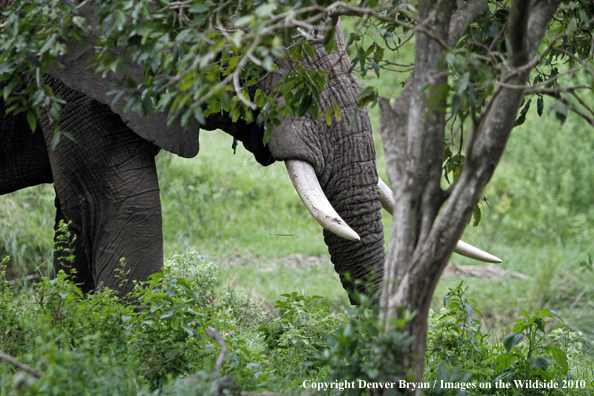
(106, 182)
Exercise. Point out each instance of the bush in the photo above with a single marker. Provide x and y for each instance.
(457, 351)
(102, 344)
(154, 341)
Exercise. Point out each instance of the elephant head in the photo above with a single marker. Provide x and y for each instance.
(333, 168)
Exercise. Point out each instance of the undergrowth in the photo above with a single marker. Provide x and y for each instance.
(155, 342)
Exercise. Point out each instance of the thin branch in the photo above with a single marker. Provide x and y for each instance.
(572, 107)
(25, 367)
(28, 277)
(581, 101)
(546, 91)
(215, 336)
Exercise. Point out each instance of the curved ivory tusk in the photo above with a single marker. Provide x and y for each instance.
(306, 183)
(386, 196)
(472, 252)
(462, 248)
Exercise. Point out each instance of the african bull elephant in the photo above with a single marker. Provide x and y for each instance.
(106, 182)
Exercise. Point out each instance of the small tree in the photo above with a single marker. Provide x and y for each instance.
(475, 63)
(487, 52)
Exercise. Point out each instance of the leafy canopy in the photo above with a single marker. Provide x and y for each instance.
(202, 57)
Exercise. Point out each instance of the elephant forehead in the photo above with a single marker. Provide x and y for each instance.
(326, 148)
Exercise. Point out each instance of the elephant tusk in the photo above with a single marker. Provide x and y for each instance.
(386, 197)
(306, 183)
(472, 252)
(462, 248)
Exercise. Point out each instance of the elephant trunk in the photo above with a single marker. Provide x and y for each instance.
(353, 192)
(360, 262)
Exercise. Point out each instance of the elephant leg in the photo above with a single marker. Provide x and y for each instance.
(106, 183)
(23, 155)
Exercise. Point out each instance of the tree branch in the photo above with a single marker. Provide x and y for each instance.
(489, 137)
(216, 336)
(518, 26)
(25, 367)
(462, 18)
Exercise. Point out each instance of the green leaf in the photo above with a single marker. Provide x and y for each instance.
(520, 120)
(337, 112)
(511, 340)
(183, 35)
(504, 361)
(539, 105)
(79, 21)
(309, 50)
(198, 8)
(571, 28)
(560, 358)
(330, 45)
(55, 139)
(540, 363)
(265, 10)
(304, 105)
(462, 83)
(32, 120)
(556, 315)
(329, 117)
(9, 88)
(199, 116)
(188, 330)
(450, 58)
(314, 110)
(244, 20)
(120, 20)
(560, 111)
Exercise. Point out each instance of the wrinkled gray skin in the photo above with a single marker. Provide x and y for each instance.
(106, 182)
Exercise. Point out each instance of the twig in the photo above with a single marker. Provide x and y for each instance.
(25, 367)
(215, 336)
(58, 311)
(28, 277)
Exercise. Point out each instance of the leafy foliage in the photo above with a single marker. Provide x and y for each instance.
(202, 58)
(153, 342)
(527, 353)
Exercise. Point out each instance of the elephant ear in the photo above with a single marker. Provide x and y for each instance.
(77, 75)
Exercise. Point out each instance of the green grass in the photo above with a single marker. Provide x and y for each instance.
(27, 229)
(225, 205)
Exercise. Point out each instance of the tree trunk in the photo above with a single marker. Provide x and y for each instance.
(425, 230)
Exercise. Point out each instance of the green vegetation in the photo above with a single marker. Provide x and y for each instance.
(161, 340)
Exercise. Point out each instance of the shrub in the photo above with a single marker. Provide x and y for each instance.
(103, 344)
(154, 341)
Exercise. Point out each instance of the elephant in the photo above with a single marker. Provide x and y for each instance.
(106, 181)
